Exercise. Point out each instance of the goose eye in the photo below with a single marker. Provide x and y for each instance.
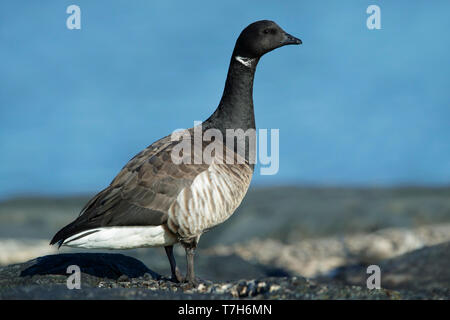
(266, 31)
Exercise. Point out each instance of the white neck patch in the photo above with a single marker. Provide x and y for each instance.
(248, 62)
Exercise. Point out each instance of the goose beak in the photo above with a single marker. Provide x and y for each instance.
(289, 39)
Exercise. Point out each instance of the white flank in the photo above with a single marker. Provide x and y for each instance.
(210, 200)
(122, 238)
(245, 61)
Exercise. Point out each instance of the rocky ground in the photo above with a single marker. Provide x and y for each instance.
(115, 276)
(283, 243)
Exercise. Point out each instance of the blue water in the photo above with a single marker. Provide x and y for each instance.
(354, 106)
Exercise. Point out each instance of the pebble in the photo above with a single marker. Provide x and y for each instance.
(274, 287)
(123, 278)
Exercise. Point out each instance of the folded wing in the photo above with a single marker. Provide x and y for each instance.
(140, 195)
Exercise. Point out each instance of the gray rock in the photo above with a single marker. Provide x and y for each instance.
(424, 271)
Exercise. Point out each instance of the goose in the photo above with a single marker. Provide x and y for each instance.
(155, 201)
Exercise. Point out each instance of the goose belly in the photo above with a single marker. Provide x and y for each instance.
(210, 200)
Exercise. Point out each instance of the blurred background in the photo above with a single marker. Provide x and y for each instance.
(364, 120)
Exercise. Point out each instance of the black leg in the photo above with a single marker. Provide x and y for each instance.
(190, 277)
(190, 245)
(176, 275)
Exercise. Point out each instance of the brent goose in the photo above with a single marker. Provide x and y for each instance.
(155, 201)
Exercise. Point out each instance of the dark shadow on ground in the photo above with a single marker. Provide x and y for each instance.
(113, 266)
(233, 267)
(102, 265)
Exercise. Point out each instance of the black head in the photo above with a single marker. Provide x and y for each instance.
(261, 37)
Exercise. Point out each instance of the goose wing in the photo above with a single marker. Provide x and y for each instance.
(140, 195)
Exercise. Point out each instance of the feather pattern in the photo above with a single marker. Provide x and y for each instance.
(151, 190)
